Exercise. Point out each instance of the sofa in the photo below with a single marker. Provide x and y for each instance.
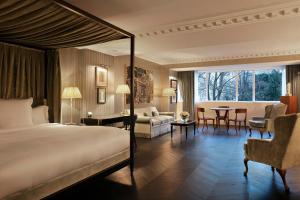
(151, 123)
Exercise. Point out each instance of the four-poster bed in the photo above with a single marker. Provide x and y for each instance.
(48, 25)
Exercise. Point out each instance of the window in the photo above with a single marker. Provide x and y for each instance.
(201, 86)
(242, 85)
(268, 85)
(221, 86)
(245, 85)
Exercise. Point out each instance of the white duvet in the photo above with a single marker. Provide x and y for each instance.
(33, 155)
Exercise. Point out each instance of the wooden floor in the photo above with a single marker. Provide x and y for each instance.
(206, 166)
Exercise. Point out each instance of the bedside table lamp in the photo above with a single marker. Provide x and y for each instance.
(168, 92)
(123, 89)
(71, 93)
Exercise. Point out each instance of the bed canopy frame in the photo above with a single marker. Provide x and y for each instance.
(54, 24)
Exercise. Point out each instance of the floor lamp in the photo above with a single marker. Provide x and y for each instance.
(71, 93)
(123, 89)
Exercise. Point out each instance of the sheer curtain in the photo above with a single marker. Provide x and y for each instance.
(293, 77)
(187, 87)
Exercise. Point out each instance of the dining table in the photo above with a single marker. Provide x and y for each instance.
(225, 117)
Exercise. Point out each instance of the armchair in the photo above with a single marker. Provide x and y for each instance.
(282, 152)
(266, 123)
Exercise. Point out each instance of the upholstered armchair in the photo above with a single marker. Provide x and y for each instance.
(266, 123)
(282, 152)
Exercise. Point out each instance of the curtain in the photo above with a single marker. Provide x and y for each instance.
(53, 85)
(293, 77)
(27, 72)
(186, 87)
(22, 72)
(46, 24)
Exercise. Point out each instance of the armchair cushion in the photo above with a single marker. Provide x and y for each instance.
(164, 118)
(259, 123)
(172, 114)
(143, 119)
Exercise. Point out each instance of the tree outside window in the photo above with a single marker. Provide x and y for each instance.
(268, 85)
(201, 77)
(221, 86)
(240, 85)
(245, 86)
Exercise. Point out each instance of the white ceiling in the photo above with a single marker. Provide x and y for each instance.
(181, 31)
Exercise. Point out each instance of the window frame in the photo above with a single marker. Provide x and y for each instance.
(237, 71)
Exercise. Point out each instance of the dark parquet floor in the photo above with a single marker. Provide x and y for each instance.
(208, 166)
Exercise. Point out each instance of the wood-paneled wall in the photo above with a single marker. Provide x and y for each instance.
(78, 69)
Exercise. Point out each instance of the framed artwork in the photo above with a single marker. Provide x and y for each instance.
(173, 84)
(101, 76)
(143, 85)
(101, 95)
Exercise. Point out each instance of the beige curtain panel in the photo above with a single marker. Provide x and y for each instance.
(44, 24)
(186, 87)
(22, 73)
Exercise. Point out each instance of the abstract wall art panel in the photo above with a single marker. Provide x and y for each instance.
(143, 85)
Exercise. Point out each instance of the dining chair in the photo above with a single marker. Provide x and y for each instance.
(201, 116)
(223, 117)
(240, 117)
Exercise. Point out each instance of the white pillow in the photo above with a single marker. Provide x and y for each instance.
(15, 113)
(40, 115)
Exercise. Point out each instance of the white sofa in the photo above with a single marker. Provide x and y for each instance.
(151, 123)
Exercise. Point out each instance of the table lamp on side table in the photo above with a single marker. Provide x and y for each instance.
(123, 89)
(168, 92)
(71, 93)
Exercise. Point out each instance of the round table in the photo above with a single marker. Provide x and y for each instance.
(225, 117)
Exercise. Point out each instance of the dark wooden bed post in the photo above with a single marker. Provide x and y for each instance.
(132, 104)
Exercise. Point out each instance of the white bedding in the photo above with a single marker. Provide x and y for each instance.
(32, 155)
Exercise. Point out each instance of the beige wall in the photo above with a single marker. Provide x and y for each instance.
(78, 69)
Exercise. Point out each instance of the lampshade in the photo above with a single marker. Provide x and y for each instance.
(71, 92)
(168, 92)
(123, 89)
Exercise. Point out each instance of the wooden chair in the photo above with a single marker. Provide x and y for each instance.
(201, 116)
(223, 117)
(237, 119)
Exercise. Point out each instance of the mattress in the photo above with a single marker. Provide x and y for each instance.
(34, 155)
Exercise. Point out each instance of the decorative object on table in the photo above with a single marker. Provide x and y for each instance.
(288, 89)
(101, 95)
(173, 84)
(101, 76)
(143, 85)
(184, 116)
(123, 89)
(71, 93)
(89, 114)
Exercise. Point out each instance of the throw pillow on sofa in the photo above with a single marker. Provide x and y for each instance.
(155, 113)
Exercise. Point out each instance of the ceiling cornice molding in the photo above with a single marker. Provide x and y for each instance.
(241, 56)
(270, 13)
(187, 66)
